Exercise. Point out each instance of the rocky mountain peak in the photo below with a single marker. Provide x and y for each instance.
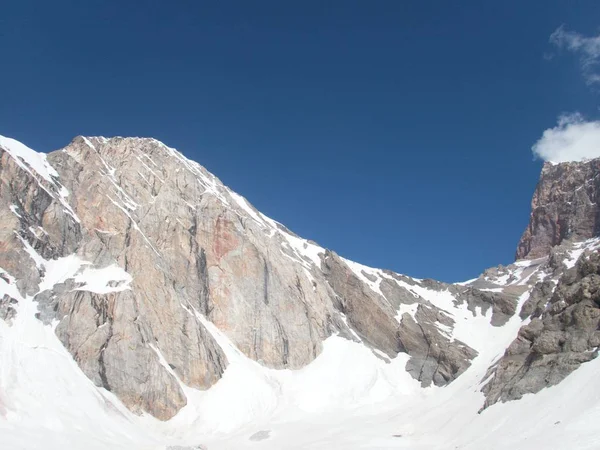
(564, 207)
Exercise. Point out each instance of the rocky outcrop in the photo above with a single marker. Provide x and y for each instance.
(370, 314)
(564, 207)
(435, 358)
(502, 304)
(7, 310)
(563, 334)
(130, 249)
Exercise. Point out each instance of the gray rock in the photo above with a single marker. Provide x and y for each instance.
(371, 315)
(434, 358)
(535, 305)
(7, 308)
(260, 435)
(561, 336)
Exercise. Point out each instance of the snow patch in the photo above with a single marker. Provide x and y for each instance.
(103, 281)
(578, 250)
(359, 270)
(304, 249)
(26, 157)
(14, 208)
(407, 309)
(98, 280)
(242, 203)
(465, 283)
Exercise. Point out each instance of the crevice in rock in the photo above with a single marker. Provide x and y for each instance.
(101, 363)
(265, 282)
(427, 355)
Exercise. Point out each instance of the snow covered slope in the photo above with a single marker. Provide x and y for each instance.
(144, 305)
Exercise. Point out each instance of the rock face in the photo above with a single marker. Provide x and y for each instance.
(561, 313)
(564, 207)
(563, 334)
(147, 266)
(130, 250)
(435, 357)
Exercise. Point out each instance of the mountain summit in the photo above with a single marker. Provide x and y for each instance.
(133, 279)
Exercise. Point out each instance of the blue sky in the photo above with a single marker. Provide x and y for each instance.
(397, 133)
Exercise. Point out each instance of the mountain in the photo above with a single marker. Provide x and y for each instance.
(141, 294)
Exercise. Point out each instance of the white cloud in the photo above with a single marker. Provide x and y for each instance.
(573, 139)
(588, 49)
